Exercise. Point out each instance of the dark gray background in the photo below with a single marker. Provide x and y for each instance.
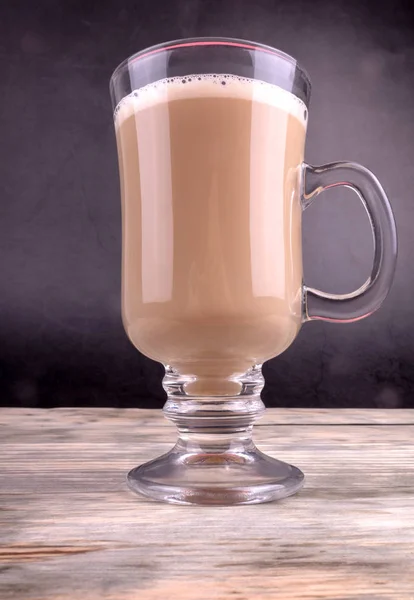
(61, 337)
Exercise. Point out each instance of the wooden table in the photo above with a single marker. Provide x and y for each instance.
(70, 528)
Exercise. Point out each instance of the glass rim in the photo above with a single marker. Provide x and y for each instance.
(210, 41)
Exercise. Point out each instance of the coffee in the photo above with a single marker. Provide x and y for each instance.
(212, 260)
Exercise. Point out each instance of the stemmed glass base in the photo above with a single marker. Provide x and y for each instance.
(215, 461)
(246, 476)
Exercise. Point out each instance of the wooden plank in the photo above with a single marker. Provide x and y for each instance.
(69, 527)
(16, 421)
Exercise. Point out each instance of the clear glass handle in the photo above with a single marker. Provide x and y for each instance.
(345, 308)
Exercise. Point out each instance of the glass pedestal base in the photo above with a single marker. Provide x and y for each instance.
(248, 477)
(215, 461)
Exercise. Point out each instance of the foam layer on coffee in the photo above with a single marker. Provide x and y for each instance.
(209, 86)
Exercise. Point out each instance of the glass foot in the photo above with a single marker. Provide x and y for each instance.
(230, 477)
(215, 460)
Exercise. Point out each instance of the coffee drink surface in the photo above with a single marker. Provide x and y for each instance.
(212, 259)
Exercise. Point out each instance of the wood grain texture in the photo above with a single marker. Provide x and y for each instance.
(70, 528)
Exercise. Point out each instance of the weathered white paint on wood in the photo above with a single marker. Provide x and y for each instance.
(70, 528)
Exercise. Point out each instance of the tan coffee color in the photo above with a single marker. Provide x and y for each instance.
(212, 258)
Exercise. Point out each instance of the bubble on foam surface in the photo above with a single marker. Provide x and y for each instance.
(211, 85)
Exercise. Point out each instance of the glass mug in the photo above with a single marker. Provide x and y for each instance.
(210, 135)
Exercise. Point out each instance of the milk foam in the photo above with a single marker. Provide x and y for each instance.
(209, 86)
